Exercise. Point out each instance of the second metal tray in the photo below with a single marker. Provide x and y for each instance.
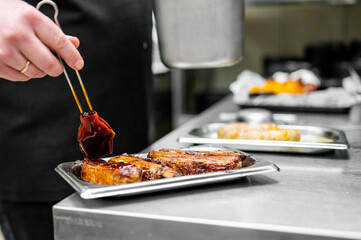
(70, 171)
(313, 139)
(308, 109)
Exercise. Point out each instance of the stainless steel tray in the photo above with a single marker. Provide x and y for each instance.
(313, 139)
(70, 171)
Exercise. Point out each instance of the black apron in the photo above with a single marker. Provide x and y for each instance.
(39, 119)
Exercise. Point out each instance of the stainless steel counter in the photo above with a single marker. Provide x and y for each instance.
(313, 197)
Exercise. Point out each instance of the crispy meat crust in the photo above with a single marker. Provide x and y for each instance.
(102, 172)
(150, 171)
(123, 169)
(165, 163)
(189, 162)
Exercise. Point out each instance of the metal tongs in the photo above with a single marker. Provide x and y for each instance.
(61, 61)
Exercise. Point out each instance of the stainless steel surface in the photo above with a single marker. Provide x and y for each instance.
(263, 117)
(277, 2)
(70, 171)
(250, 115)
(310, 142)
(313, 197)
(199, 34)
(255, 115)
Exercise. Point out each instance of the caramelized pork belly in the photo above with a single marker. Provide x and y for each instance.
(188, 162)
(150, 171)
(102, 172)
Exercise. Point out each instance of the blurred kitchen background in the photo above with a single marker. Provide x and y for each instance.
(324, 36)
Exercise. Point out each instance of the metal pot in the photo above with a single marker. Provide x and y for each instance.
(199, 33)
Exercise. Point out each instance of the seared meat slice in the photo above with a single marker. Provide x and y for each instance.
(102, 172)
(150, 171)
(165, 163)
(189, 162)
(220, 153)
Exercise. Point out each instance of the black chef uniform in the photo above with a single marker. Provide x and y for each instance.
(39, 118)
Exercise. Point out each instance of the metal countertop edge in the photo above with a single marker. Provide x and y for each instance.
(251, 226)
(335, 146)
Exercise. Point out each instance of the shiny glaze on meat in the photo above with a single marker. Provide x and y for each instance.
(150, 171)
(165, 163)
(189, 162)
(101, 172)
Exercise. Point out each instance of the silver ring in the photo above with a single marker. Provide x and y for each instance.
(26, 67)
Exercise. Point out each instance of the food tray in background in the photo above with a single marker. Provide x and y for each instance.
(330, 100)
(313, 139)
(305, 109)
(70, 171)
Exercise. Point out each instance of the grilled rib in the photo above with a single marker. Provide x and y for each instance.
(102, 172)
(150, 171)
(189, 162)
(165, 163)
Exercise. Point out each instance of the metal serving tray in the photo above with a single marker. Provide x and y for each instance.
(313, 139)
(308, 109)
(70, 171)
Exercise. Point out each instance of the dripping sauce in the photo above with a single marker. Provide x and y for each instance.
(95, 136)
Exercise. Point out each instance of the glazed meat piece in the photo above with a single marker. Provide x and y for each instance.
(150, 171)
(258, 132)
(102, 172)
(189, 162)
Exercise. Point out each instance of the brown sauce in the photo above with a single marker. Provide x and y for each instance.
(102, 163)
(147, 175)
(95, 136)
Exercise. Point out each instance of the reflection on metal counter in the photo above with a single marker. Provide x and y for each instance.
(257, 115)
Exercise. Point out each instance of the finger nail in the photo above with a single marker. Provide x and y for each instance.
(79, 64)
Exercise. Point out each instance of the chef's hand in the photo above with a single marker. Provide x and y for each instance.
(28, 35)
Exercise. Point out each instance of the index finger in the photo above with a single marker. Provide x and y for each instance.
(54, 38)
